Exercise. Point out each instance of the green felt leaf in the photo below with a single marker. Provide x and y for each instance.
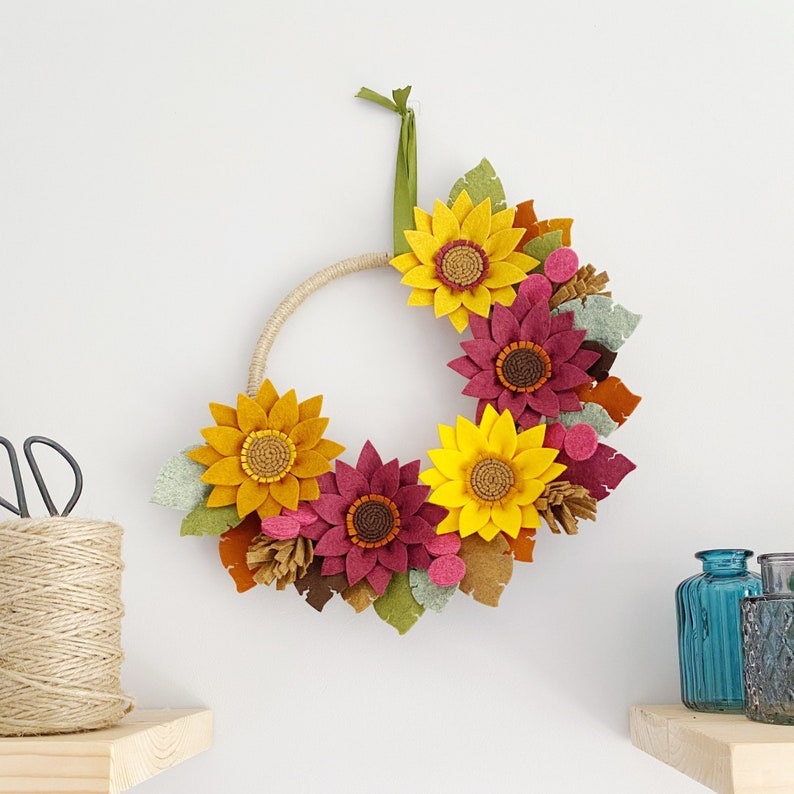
(203, 520)
(427, 594)
(594, 415)
(605, 321)
(397, 606)
(178, 484)
(481, 183)
(540, 247)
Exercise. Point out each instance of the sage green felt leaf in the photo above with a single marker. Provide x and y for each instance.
(427, 594)
(178, 484)
(203, 520)
(481, 183)
(594, 415)
(605, 321)
(397, 606)
(540, 247)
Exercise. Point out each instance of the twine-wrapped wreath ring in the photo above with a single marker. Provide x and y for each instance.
(541, 337)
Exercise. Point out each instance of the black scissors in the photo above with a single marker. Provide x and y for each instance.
(21, 508)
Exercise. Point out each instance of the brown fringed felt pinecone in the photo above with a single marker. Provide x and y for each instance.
(584, 282)
(565, 502)
(279, 561)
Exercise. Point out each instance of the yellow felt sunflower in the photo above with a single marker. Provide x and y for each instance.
(489, 476)
(463, 259)
(267, 453)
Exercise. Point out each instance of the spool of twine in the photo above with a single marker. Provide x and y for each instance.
(60, 626)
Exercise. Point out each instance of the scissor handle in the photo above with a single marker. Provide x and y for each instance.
(34, 467)
(21, 508)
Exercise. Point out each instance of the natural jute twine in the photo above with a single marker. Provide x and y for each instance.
(256, 372)
(60, 626)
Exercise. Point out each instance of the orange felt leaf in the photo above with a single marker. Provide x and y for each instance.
(233, 546)
(523, 545)
(554, 225)
(526, 218)
(613, 395)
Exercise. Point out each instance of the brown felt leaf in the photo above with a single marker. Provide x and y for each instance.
(360, 596)
(489, 566)
(233, 547)
(319, 589)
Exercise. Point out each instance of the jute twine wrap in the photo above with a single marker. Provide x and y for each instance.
(60, 626)
(256, 372)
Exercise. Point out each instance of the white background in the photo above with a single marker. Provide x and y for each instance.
(170, 171)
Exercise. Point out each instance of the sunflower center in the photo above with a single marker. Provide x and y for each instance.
(372, 521)
(267, 455)
(461, 265)
(523, 366)
(491, 479)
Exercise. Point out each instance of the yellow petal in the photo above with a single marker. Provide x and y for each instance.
(225, 472)
(503, 220)
(309, 489)
(473, 517)
(404, 262)
(222, 495)
(224, 414)
(267, 395)
(471, 439)
(445, 300)
(424, 245)
(477, 225)
(478, 300)
(205, 455)
(501, 244)
(423, 221)
(286, 491)
(529, 517)
(283, 415)
(462, 206)
(445, 225)
(489, 531)
(432, 477)
(502, 437)
(502, 274)
(310, 409)
(447, 436)
(328, 449)
(226, 440)
(270, 507)
(250, 415)
(532, 463)
(306, 434)
(503, 295)
(250, 495)
(507, 518)
(450, 523)
(422, 276)
(450, 494)
(450, 462)
(528, 491)
(459, 319)
(552, 473)
(522, 261)
(488, 420)
(310, 463)
(532, 438)
(421, 297)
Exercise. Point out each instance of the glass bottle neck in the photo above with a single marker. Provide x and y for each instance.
(777, 572)
(724, 561)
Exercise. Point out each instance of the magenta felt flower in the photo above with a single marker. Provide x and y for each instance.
(526, 361)
(373, 520)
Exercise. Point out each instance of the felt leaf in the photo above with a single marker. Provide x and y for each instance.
(605, 321)
(613, 396)
(233, 547)
(540, 247)
(523, 545)
(397, 606)
(179, 485)
(318, 589)
(480, 183)
(601, 473)
(489, 566)
(360, 596)
(594, 415)
(427, 594)
(203, 520)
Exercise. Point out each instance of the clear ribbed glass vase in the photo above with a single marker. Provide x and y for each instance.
(709, 630)
(768, 635)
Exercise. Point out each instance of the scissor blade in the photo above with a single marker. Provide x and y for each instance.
(34, 467)
(22, 507)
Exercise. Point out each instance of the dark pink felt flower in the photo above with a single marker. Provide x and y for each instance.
(373, 520)
(525, 360)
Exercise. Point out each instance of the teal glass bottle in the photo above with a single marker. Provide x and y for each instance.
(709, 630)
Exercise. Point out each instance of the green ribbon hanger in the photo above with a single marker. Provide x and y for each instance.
(405, 198)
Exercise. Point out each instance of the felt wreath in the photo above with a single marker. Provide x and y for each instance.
(543, 335)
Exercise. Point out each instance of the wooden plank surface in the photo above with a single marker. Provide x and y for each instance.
(106, 761)
(726, 752)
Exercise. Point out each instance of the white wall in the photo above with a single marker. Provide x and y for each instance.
(170, 170)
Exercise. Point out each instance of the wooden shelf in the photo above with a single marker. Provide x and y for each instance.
(726, 752)
(105, 761)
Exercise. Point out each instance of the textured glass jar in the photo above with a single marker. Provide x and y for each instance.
(768, 635)
(709, 630)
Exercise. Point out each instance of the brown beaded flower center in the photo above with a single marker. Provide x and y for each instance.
(461, 265)
(491, 479)
(372, 521)
(523, 366)
(267, 455)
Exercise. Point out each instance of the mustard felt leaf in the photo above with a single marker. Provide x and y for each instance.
(603, 320)
(203, 520)
(397, 606)
(427, 594)
(178, 484)
(489, 567)
(540, 247)
(480, 183)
